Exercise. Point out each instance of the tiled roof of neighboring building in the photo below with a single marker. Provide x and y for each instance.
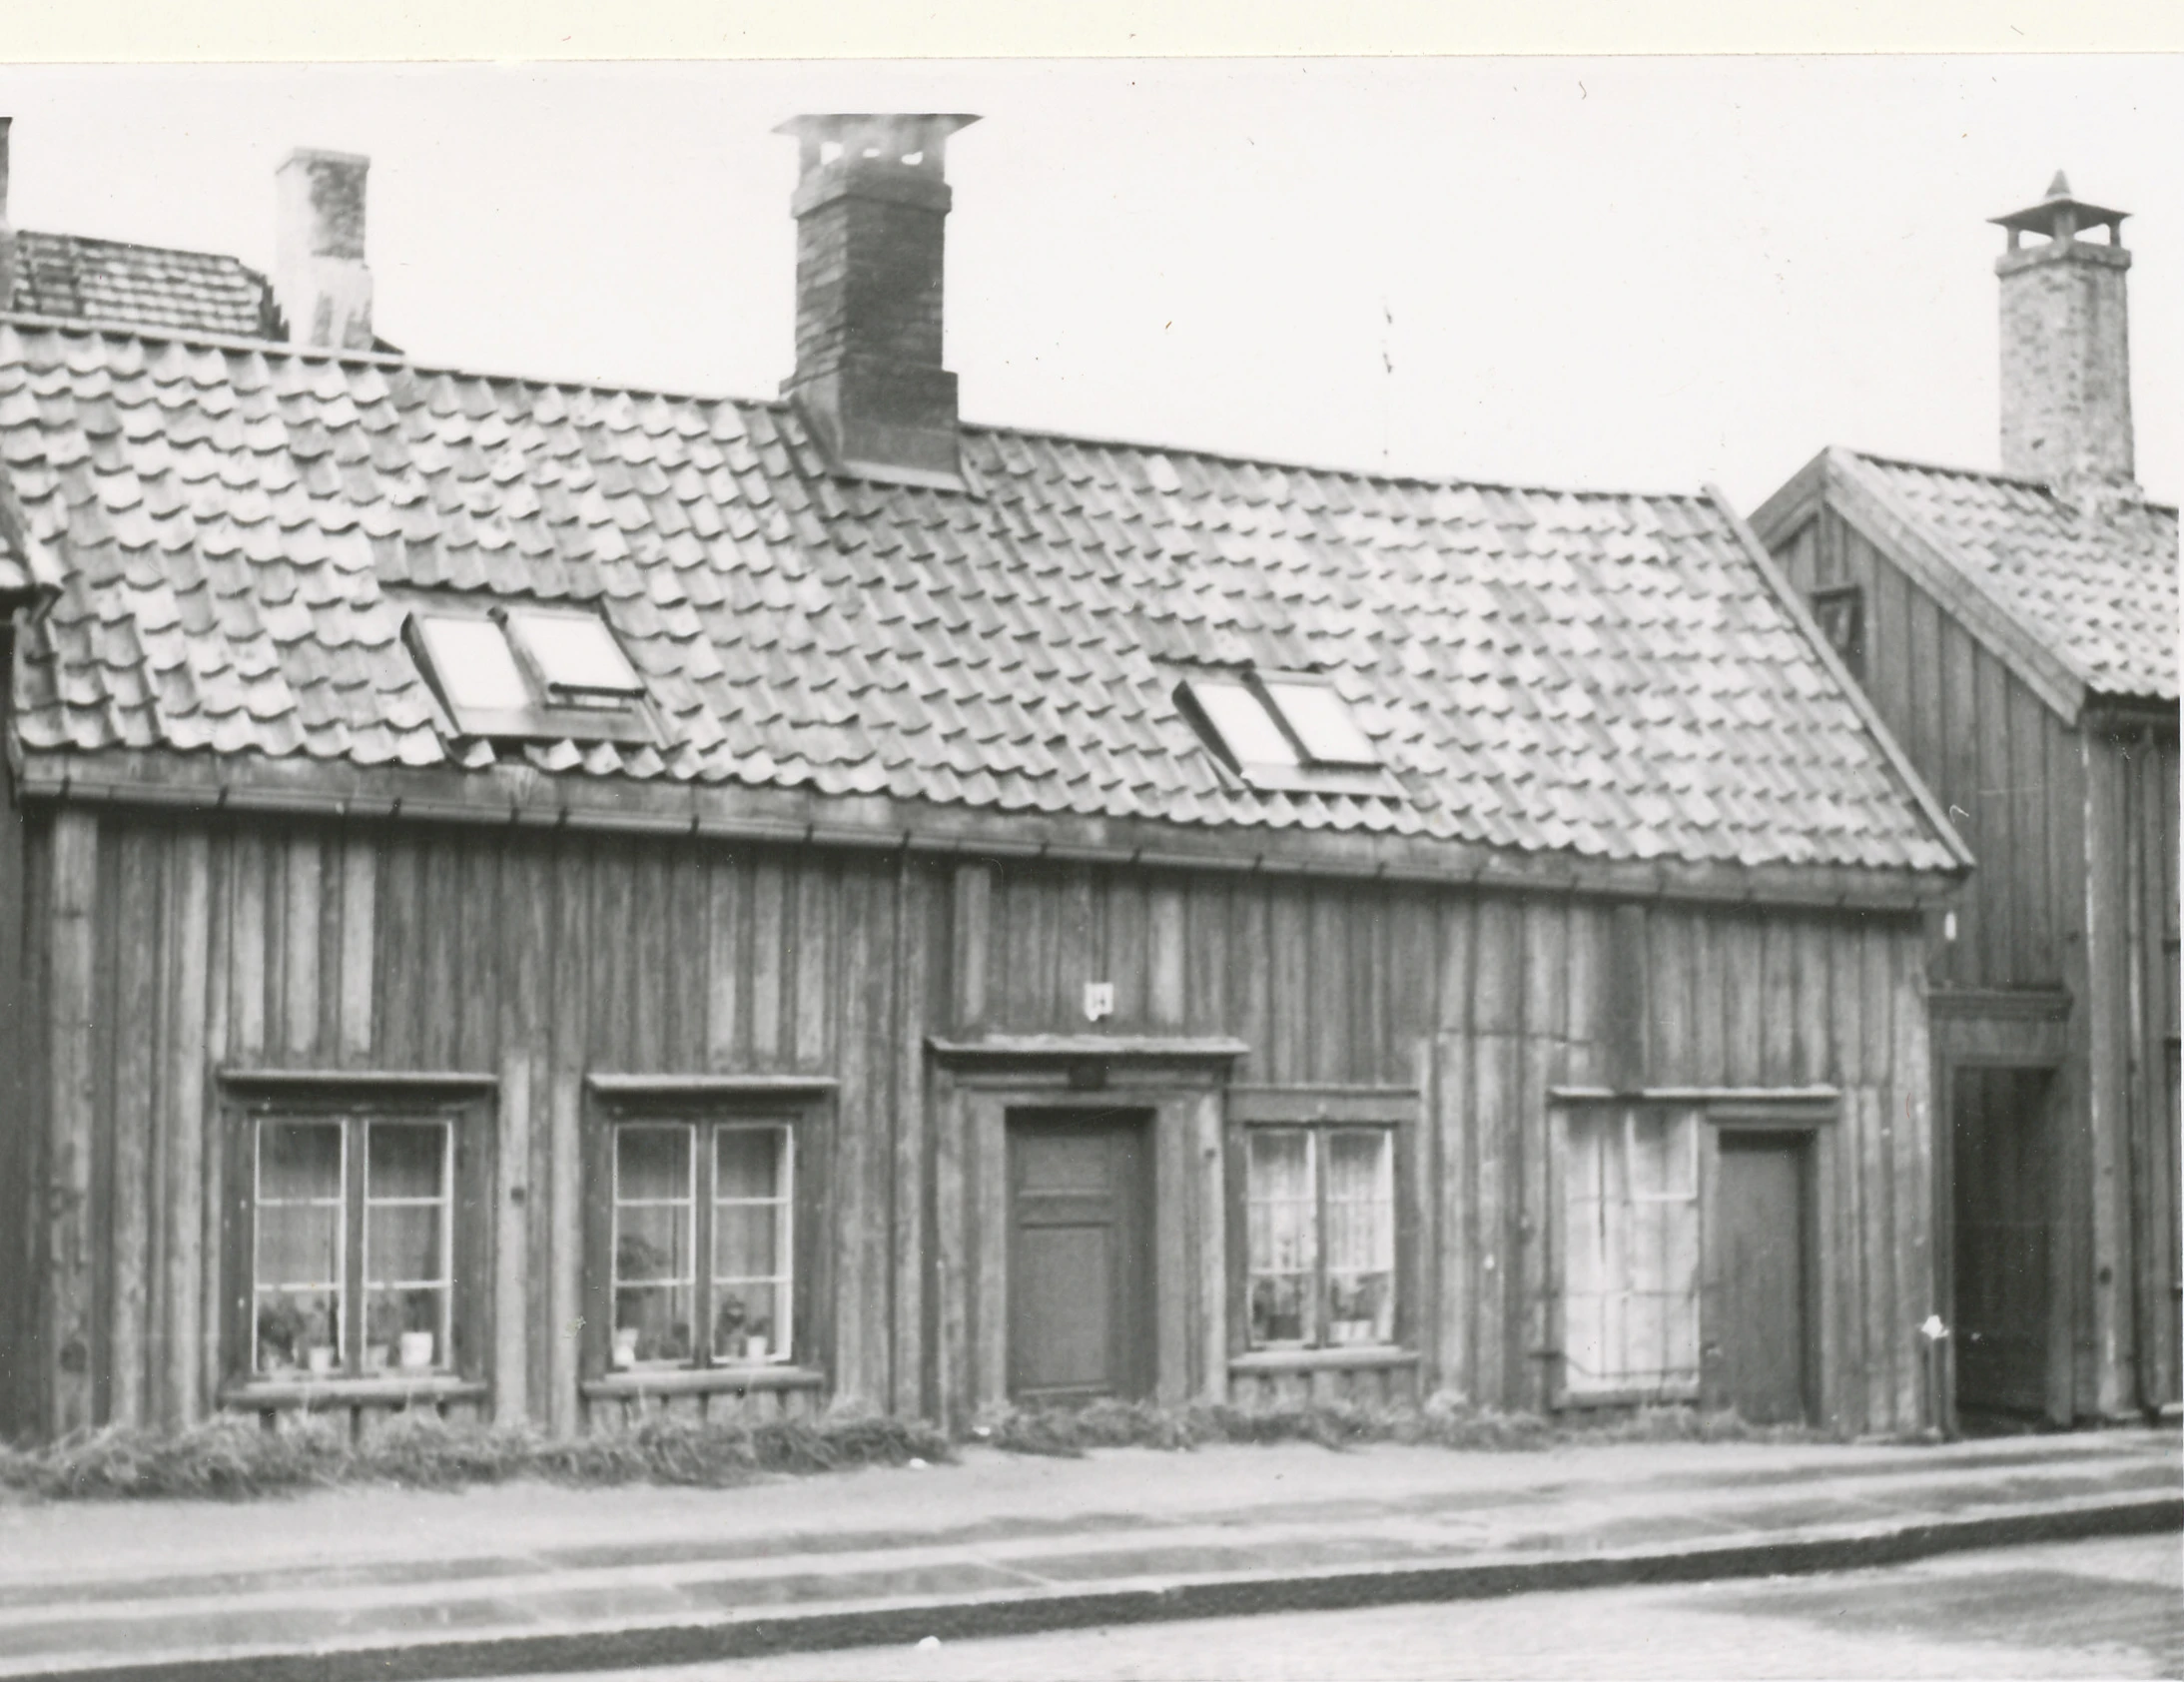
(1606, 674)
(2097, 588)
(141, 285)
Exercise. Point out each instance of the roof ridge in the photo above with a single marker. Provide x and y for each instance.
(2040, 484)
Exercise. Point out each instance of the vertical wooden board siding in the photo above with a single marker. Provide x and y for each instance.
(1533, 1331)
(725, 927)
(1778, 1001)
(1849, 1261)
(359, 912)
(1495, 1089)
(2033, 961)
(1957, 786)
(769, 959)
(686, 1013)
(1908, 1097)
(1205, 957)
(245, 977)
(441, 886)
(1025, 960)
(1409, 969)
(1077, 941)
(610, 874)
(302, 881)
(815, 958)
(182, 1257)
(137, 992)
(1452, 985)
(213, 1139)
(1887, 650)
(986, 1166)
(1668, 1003)
(1251, 978)
(649, 941)
(510, 1369)
(970, 906)
(1455, 1181)
(1122, 960)
(1875, 1131)
(859, 1366)
(1165, 941)
(952, 1250)
(1210, 1239)
(907, 1182)
(2103, 1380)
(1173, 1275)
(1923, 723)
(1998, 849)
(1709, 1007)
(1497, 1001)
(562, 1192)
(1327, 989)
(72, 1002)
(478, 972)
(1847, 1003)
(1814, 1062)
(525, 908)
(1741, 965)
(1288, 937)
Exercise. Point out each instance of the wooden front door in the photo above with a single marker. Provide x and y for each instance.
(1999, 1175)
(1761, 1340)
(1080, 1256)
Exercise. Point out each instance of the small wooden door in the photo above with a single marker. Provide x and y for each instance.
(1761, 1338)
(1080, 1256)
(1999, 1173)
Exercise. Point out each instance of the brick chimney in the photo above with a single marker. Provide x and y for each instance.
(871, 206)
(319, 274)
(2067, 354)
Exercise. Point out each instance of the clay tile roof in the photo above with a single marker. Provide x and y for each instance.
(2096, 588)
(1608, 675)
(145, 287)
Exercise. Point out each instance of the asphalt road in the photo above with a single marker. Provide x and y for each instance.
(2112, 1608)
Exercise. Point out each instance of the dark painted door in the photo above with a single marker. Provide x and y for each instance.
(2000, 1168)
(1761, 1337)
(1080, 1273)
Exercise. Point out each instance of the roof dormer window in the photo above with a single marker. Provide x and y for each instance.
(1283, 730)
(528, 673)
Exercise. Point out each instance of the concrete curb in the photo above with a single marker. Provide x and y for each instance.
(1039, 1611)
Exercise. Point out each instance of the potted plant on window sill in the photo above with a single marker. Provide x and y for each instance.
(416, 1347)
(279, 1334)
(320, 1354)
(1354, 1312)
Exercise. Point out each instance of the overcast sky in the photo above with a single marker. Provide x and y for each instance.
(1643, 273)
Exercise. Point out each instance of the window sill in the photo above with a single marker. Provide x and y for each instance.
(703, 1380)
(1335, 1357)
(350, 1392)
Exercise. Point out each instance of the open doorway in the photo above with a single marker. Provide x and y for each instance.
(2002, 1186)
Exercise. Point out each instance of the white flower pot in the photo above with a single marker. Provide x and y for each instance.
(320, 1359)
(625, 1346)
(754, 1348)
(417, 1350)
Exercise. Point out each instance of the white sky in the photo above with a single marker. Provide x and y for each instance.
(1643, 273)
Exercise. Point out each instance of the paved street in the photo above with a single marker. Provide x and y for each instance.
(2109, 1608)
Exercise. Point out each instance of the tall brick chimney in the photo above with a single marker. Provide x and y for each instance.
(871, 206)
(2066, 351)
(319, 274)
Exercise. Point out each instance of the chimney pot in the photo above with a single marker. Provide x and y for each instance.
(2066, 354)
(319, 275)
(871, 208)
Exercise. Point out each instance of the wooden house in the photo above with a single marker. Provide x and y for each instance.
(551, 901)
(2017, 632)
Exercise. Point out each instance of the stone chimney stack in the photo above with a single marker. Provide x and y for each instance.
(2066, 351)
(871, 206)
(320, 279)
(7, 232)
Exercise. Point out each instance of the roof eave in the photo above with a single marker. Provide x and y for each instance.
(512, 796)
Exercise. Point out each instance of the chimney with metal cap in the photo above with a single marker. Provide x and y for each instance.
(871, 206)
(2066, 349)
(320, 279)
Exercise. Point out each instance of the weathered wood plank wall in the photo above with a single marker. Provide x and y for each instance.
(175, 949)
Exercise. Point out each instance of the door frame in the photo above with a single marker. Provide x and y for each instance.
(1803, 1132)
(1138, 1224)
(973, 1088)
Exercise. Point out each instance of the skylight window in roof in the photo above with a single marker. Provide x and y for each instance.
(1245, 725)
(1321, 722)
(575, 655)
(1283, 730)
(529, 674)
(472, 663)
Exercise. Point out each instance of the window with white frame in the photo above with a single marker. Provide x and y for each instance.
(1319, 1222)
(702, 1243)
(525, 671)
(1282, 730)
(1629, 1252)
(352, 1246)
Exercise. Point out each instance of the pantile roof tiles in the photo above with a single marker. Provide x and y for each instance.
(240, 528)
(2097, 588)
(141, 285)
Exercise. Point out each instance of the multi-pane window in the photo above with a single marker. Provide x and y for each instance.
(1280, 729)
(702, 1243)
(352, 1246)
(527, 671)
(1319, 1220)
(1840, 612)
(1629, 1252)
